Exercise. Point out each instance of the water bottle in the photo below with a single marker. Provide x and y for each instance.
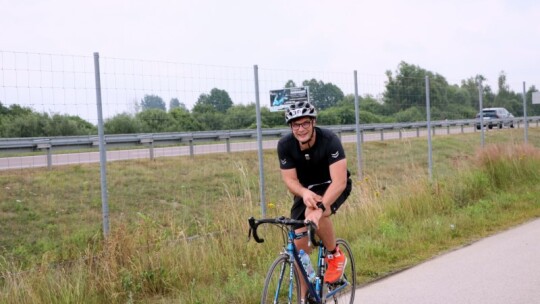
(306, 262)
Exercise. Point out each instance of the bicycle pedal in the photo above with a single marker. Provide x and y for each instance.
(336, 284)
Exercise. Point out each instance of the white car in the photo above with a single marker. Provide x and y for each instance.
(495, 117)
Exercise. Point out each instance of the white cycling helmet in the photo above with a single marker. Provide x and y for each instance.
(300, 109)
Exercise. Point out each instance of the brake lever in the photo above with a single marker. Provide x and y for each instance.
(311, 230)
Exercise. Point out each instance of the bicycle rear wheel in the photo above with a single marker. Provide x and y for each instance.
(343, 290)
(279, 285)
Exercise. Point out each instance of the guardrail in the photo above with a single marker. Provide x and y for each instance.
(190, 138)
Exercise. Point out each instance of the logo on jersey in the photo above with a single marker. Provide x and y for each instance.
(284, 161)
(307, 156)
(335, 155)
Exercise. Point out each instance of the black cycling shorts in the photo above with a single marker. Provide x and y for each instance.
(298, 209)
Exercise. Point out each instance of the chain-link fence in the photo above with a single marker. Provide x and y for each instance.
(188, 114)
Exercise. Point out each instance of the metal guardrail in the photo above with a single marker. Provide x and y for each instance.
(89, 141)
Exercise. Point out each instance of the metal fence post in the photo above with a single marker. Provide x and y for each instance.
(525, 122)
(102, 150)
(259, 141)
(152, 150)
(481, 122)
(359, 134)
(48, 148)
(428, 116)
(49, 158)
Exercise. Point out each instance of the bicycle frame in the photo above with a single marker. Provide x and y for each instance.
(315, 289)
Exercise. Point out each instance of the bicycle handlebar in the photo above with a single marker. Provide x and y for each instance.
(254, 224)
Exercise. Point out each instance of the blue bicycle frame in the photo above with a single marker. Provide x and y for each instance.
(314, 288)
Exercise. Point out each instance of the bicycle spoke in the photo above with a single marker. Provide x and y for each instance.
(279, 287)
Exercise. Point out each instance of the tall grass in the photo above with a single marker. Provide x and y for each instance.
(174, 248)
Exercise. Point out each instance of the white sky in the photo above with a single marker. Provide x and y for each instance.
(457, 39)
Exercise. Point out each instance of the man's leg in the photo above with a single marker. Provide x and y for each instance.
(335, 259)
(326, 232)
(302, 244)
(298, 212)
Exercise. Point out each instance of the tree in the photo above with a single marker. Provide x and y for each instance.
(27, 125)
(272, 119)
(408, 89)
(210, 120)
(471, 86)
(155, 120)
(506, 98)
(175, 103)
(152, 102)
(323, 95)
(240, 117)
(122, 124)
(218, 99)
(290, 84)
(67, 125)
(183, 121)
(343, 115)
(3, 110)
(411, 114)
(371, 105)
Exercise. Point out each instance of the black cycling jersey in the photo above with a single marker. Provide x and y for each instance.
(312, 165)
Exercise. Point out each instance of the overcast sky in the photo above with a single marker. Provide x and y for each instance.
(457, 39)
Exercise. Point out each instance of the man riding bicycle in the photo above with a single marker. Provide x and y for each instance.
(314, 168)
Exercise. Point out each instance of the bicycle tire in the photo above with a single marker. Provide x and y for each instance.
(277, 282)
(346, 295)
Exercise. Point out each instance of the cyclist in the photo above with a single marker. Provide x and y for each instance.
(314, 168)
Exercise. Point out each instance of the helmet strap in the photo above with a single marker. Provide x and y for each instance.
(309, 139)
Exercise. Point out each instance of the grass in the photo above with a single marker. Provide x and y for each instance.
(172, 215)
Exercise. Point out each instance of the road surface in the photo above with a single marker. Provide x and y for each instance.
(20, 162)
(501, 269)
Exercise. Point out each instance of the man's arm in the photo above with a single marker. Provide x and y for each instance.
(290, 178)
(338, 174)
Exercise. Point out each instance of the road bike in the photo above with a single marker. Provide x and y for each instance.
(282, 279)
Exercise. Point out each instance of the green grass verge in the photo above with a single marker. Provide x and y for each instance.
(52, 250)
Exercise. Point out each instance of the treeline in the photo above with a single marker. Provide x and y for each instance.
(402, 101)
(17, 121)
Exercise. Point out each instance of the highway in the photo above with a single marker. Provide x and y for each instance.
(37, 161)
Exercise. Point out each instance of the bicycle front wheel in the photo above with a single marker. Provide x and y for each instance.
(281, 283)
(342, 292)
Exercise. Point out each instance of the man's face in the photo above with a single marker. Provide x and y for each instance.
(302, 128)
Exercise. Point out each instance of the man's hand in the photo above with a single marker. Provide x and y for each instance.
(314, 216)
(311, 199)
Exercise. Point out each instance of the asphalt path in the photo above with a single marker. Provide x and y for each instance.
(501, 269)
